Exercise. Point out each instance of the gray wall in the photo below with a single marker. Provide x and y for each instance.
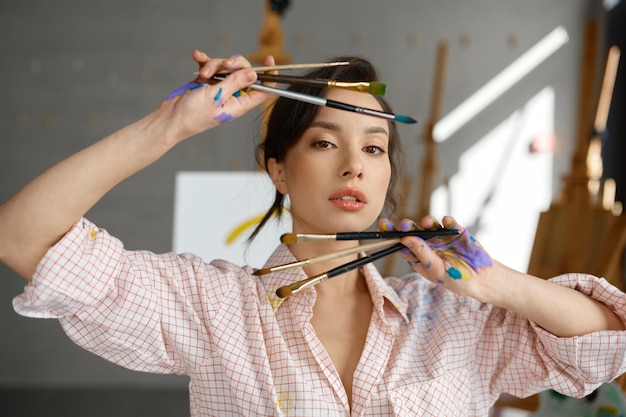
(73, 71)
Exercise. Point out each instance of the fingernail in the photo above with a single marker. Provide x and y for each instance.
(251, 76)
(387, 226)
(407, 226)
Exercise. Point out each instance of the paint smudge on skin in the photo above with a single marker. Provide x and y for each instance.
(463, 255)
(218, 95)
(177, 92)
(223, 117)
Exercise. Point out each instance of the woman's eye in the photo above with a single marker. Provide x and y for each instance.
(322, 144)
(376, 150)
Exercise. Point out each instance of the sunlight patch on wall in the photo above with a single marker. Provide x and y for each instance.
(501, 186)
(487, 94)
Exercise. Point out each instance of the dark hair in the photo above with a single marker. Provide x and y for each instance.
(287, 120)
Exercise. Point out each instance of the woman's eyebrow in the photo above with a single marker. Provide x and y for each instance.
(377, 129)
(335, 127)
(325, 125)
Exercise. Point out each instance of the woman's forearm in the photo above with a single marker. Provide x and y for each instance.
(43, 211)
(560, 310)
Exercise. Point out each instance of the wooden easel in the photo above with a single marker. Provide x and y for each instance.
(270, 43)
(430, 161)
(271, 38)
(584, 230)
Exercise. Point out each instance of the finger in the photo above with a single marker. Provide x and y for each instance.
(236, 102)
(208, 67)
(450, 222)
(408, 225)
(386, 225)
(200, 57)
(269, 61)
(430, 223)
(430, 264)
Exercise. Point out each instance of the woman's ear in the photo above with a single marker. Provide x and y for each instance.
(277, 174)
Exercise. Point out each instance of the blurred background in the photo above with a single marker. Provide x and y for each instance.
(506, 107)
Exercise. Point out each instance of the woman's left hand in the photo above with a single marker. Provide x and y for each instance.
(457, 262)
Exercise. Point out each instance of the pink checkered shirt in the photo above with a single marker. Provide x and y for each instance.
(428, 352)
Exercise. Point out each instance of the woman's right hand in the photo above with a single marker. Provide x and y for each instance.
(198, 106)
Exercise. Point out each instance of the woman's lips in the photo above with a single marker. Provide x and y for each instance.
(350, 199)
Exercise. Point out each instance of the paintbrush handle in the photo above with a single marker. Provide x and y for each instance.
(289, 290)
(363, 261)
(292, 79)
(362, 86)
(296, 66)
(319, 101)
(289, 238)
(424, 234)
(328, 256)
(288, 94)
(349, 107)
(290, 67)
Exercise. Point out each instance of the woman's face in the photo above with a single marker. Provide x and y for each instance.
(338, 173)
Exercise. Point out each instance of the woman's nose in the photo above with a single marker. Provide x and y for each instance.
(352, 165)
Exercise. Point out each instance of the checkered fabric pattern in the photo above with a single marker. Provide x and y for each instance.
(428, 352)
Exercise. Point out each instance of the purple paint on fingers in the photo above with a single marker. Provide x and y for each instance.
(223, 117)
(463, 255)
(464, 247)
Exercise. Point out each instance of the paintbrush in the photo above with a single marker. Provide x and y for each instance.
(291, 238)
(327, 257)
(320, 101)
(373, 87)
(290, 67)
(286, 291)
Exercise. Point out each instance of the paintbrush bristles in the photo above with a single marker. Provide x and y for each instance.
(286, 291)
(283, 292)
(291, 238)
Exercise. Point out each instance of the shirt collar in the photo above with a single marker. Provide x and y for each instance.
(379, 289)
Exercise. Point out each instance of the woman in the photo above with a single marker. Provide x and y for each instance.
(446, 341)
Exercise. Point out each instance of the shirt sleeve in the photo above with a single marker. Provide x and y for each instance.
(140, 310)
(532, 359)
